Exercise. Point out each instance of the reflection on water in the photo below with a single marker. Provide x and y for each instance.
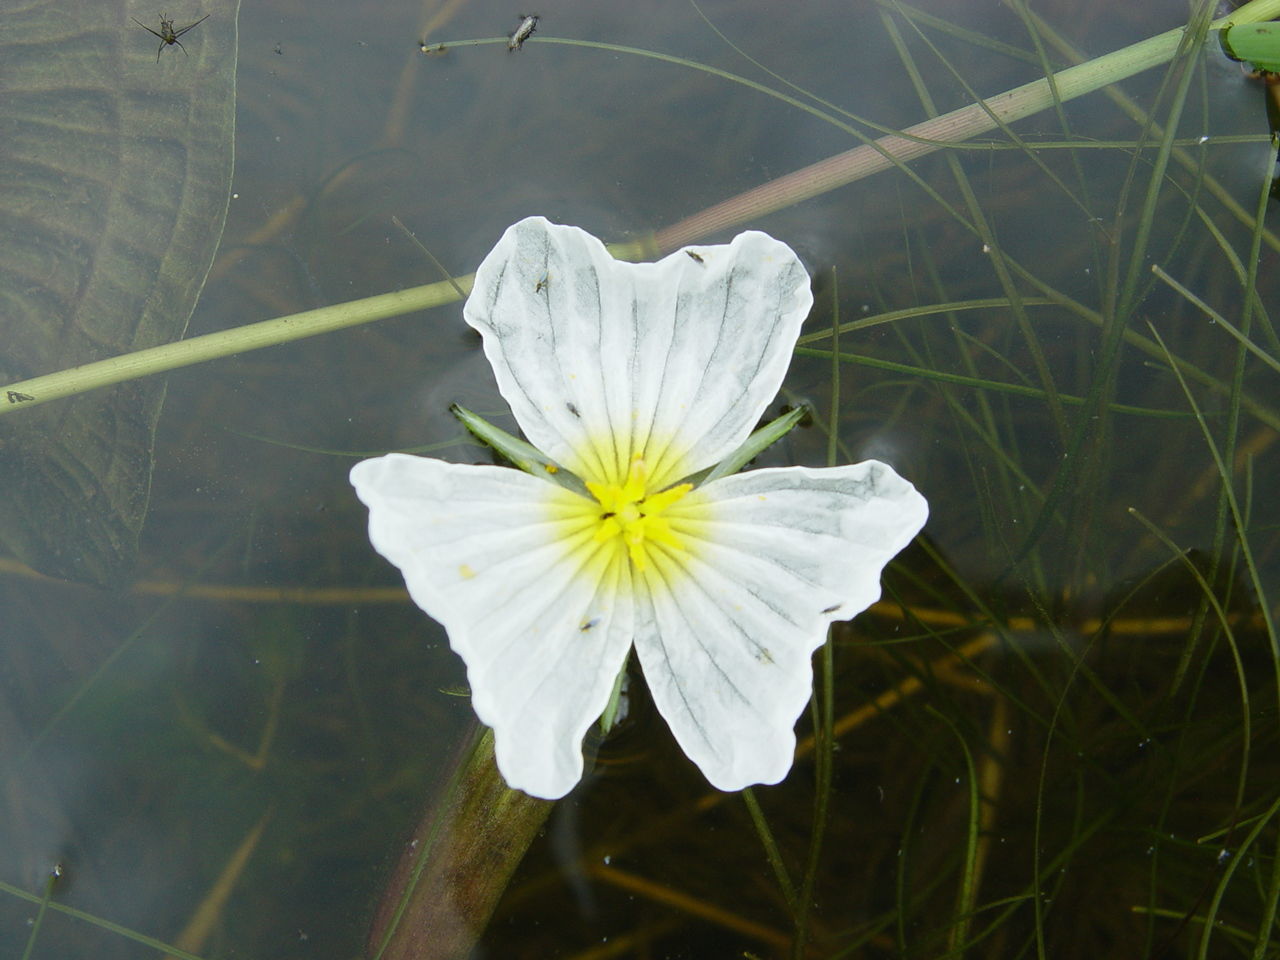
(1045, 732)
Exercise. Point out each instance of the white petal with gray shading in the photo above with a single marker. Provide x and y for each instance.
(502, 561)
(725, 631)
(601, 359)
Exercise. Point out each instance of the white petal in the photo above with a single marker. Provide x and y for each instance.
(725, 631)
(600, 359)
(502, 560)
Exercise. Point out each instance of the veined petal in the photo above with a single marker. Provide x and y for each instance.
(508, 564)
(725, 628)
(600, 359)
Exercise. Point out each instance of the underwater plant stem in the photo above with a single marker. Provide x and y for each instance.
(36, 924)
(458, 863)
(958, 934)
(101, 923)
(822, 706)
(1218, 319)
(212, 910)
(824, 722)
(225, 343)
(771, 851)
(958, 125)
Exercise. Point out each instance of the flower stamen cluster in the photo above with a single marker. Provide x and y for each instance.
(633, 515)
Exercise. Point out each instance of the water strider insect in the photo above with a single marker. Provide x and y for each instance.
(167, 34)
(528, 24)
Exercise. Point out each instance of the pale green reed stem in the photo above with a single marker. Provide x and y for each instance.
(958, 125)
(224, 343)
(837, 171)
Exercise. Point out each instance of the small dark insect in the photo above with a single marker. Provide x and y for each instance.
(528, 24)
(696, 258)
(572, 409)
(167, 34)
(589, 624)
(13, 396)
(541, 285)
(833, 608)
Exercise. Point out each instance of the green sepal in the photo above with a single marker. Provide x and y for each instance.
(756, 444)
(612, 708)
(1255, 43)
(523, 455)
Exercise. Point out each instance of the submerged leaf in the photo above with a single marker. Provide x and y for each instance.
(115, 172)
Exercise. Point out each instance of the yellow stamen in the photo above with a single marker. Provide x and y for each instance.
(633, 514)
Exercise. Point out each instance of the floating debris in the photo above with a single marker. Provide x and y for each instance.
(528, 24)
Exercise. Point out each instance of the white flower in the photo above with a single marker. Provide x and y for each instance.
(634, 378)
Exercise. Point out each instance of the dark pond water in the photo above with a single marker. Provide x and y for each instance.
(1055, 736)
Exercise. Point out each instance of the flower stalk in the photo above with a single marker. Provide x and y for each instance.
(457, 863)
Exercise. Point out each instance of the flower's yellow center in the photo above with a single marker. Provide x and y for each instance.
(630, 512)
